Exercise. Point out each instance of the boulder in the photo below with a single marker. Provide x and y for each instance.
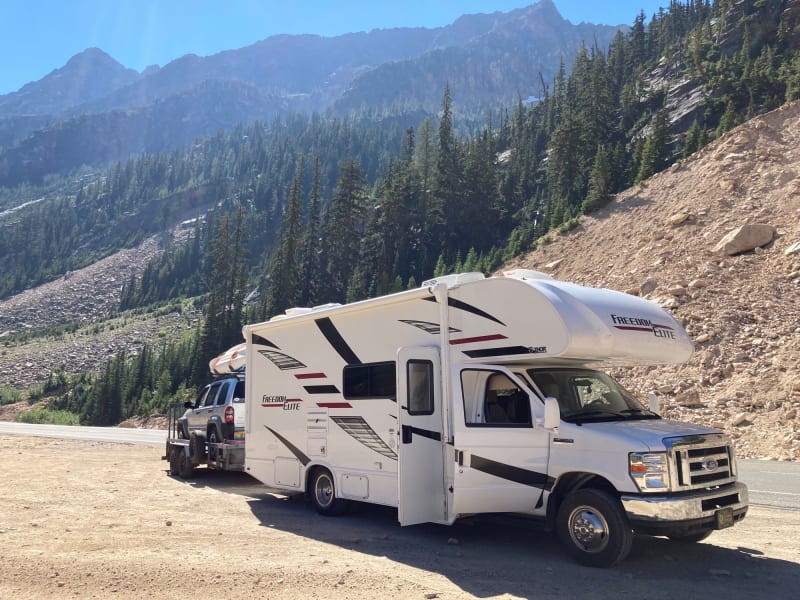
(744, 238)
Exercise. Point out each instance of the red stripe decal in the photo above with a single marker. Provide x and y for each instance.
(311, 376)
(624, 328)
(334, 405)
(480, 338)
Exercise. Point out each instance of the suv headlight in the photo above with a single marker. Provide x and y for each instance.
(649, 471)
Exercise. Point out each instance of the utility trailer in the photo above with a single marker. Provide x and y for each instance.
(472, 395)
(185, 454)
(210, 431)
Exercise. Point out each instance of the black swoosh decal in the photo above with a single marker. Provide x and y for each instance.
(515, 474)
(304, 460)
(504, 351)
(452, 302)
(336, 340)
(409, 430)
(257, 339)
(321, 389)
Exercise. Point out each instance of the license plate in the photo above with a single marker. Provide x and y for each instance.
(724, 518)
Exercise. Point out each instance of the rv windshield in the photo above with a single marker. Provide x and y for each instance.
(586, 395)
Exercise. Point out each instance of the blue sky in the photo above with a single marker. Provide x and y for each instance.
(37, 36)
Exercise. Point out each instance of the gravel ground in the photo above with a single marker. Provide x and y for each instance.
(98, 520)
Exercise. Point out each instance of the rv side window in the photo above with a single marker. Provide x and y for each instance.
(420, 387)
(491, 399)
(374, 380)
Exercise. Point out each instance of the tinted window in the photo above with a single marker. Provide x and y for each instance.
(212, 395)
(375, 380)
(238, 393)
(420, 387)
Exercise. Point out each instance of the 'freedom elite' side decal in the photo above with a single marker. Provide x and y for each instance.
(643, 325)
(510, 473)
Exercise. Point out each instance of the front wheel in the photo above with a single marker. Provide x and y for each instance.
(323, 494)
(592, 525)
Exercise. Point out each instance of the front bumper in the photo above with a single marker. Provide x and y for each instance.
(691, 510)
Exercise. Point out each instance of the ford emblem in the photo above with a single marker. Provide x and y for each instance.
(709, 464)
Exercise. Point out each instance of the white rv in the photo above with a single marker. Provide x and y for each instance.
(473, 395)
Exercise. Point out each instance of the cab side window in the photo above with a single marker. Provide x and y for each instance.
(491, 399)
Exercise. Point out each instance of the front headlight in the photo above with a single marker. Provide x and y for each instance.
(649, 471)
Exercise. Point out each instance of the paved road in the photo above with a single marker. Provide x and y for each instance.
(771, 483)
(145, 437)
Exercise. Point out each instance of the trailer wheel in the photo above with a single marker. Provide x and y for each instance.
(592, 525)
(323, 494)
(185, 466)
(692, 538)
(174, 457)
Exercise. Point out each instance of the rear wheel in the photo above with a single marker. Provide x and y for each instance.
(323, 494)
(213, 438)
(592, 525)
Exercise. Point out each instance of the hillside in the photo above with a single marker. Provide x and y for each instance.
(658, 239)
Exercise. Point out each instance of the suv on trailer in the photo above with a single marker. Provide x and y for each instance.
(218, 412)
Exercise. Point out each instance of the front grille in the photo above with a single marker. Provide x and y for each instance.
(700, 461)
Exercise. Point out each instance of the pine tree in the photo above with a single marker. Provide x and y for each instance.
(345, 227)
(283, 289)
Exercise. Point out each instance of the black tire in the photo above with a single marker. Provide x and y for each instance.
(173, 460)
(185, 466)
(213, 438)
(593, 527)
(691, 538)
(323, 494)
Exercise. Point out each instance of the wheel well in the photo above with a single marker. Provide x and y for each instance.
(568, 483)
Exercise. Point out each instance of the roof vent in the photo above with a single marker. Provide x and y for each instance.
(525, 274)
(453, 280)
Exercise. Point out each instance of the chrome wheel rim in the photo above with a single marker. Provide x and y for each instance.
(588, 529)
(324, 490)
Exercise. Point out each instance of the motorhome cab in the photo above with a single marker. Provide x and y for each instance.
(484, 395)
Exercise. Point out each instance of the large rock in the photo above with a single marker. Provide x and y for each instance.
(746, 237)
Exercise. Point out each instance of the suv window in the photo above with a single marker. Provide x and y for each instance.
(212, 395)
(222, 396)
(238, 393)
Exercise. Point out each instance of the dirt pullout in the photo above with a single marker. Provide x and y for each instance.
(99, 520)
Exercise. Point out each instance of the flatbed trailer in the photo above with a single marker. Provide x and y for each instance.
(186, 454)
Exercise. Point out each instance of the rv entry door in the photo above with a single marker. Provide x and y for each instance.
(421, 478)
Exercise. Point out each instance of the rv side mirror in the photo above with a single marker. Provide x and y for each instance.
(652, 399)
(552, 413)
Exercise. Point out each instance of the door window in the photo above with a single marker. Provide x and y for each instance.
(420, 387)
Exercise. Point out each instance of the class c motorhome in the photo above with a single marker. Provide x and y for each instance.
(478, 395)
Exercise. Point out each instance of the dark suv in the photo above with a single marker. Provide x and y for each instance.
(218, 411)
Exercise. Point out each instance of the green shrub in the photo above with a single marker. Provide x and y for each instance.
(46, 416)
(9, 395)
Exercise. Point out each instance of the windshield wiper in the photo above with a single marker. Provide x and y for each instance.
(641, 413)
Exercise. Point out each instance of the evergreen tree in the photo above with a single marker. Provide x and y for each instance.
(344, 228)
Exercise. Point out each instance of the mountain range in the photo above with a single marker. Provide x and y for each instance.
(94, 110)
